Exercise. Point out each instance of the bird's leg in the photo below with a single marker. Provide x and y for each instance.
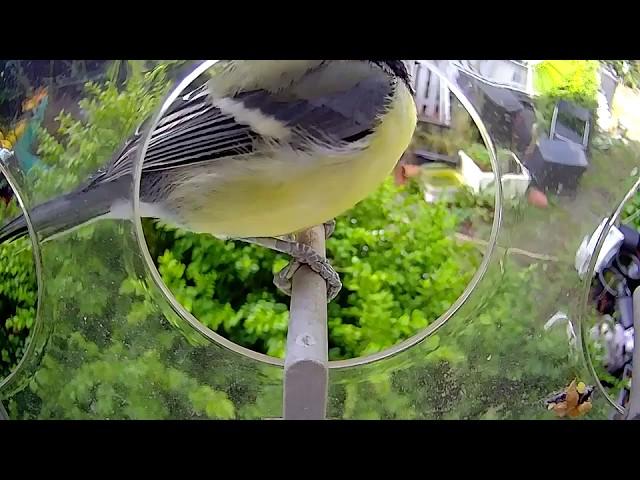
(302, 255)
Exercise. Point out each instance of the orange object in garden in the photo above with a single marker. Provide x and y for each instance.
(409, 170)
(537, 198)
(405, 171)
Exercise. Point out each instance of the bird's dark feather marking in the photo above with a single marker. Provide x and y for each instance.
(208, 151)
(199, 133)
(337, 116)
(196, 139)
(193, 123)
(399, 68)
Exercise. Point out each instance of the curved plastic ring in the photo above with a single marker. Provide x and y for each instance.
(584, 300)
(35, 245)
(208, 333)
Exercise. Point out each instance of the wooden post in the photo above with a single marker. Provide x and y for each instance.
(306, 372)
(420, 86)
(633, 410)
(433, 94)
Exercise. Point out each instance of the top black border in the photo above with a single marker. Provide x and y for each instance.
(389, 30)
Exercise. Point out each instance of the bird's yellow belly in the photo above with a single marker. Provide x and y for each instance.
(270, 197)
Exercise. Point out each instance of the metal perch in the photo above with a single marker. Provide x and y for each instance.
(306, 363)
(633, 411)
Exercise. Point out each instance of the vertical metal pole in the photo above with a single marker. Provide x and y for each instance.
(306, 363)
(633, 409)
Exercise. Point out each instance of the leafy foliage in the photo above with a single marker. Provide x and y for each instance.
(576, 81)
(627, 70)
(572, 80)
(79, 148)
(400, 266)
(227, 286)
(632, 211)
(18, 294)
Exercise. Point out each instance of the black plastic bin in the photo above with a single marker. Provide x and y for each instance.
(557, 166)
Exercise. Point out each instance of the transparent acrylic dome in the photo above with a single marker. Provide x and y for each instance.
(110, 340)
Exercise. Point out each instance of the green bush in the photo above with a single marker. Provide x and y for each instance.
(400, 266)
(18, 296)
(576, 81)
(627, 70)
(72, 152)
(632, 211)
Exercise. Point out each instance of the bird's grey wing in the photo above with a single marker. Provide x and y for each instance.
(191, 131)
(339, 116)
(194, 130)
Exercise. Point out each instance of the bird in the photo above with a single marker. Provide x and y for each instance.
(259, 151)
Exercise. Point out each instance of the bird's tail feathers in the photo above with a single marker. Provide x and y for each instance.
(61, 214)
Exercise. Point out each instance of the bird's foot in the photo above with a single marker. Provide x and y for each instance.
(304, 255)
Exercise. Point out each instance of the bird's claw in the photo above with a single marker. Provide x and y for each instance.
(283, 279)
